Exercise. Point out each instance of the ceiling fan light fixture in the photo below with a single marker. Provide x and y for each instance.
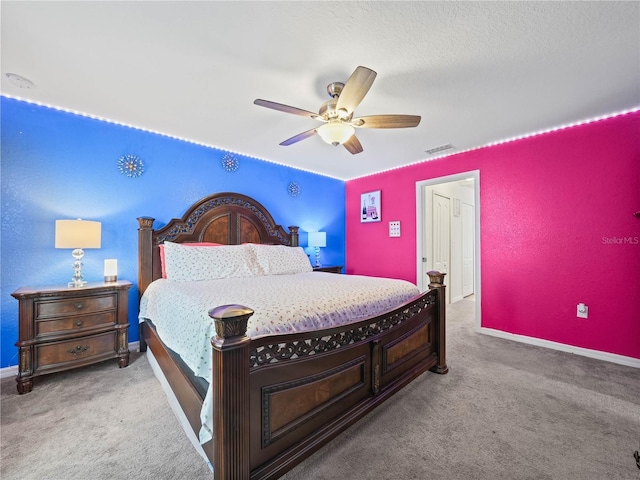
(336, 133)
(337, 112)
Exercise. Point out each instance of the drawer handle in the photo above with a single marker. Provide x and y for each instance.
(78, 305)
(78, 323)
(78, 350)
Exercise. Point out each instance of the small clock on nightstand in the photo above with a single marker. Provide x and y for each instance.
(332, 269)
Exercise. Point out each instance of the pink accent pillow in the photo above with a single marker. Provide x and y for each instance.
(195, 244)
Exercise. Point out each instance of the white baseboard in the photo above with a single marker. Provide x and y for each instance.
(12, 371)
(457, 298)
(607, 357)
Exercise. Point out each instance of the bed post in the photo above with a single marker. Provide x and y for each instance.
(437, 283)
(145, 250)
(145, 262)
(230, 387)
(294, 235)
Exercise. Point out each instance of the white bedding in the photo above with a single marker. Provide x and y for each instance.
(282, 304)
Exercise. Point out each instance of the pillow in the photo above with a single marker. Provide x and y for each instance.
(189, 263)
(280, 259)
(195, 244)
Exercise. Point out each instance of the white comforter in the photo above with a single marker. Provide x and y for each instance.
(282, 304)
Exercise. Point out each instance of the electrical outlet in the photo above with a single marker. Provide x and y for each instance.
(394, 229)
(582, 311)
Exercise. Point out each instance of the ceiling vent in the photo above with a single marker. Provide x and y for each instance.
(439, 149)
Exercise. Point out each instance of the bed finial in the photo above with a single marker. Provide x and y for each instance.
(230, 320)
(436, 279)
(146, 222)
(294, 235)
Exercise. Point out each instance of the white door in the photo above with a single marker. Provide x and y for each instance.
(441, 234)
(468, 247)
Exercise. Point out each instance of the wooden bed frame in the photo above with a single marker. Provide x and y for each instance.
(280, 398)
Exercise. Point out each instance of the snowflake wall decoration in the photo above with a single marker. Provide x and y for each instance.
(230, 162)
(293, 189)
(130, 165)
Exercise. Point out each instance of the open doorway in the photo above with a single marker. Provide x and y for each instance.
(448, 234)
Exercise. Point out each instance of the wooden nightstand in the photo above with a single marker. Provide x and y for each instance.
(333, 269)
(62, 328)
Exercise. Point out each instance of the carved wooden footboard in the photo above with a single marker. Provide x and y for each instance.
(290, 394)
(279, 398)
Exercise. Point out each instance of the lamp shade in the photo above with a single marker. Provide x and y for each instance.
(78, 234)
(336, 133)
(317, 239)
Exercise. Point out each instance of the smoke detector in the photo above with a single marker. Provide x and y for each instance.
(20, 81)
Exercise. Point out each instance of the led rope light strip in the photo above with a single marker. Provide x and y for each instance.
(510, 139)
(194, 142)
(491, 144)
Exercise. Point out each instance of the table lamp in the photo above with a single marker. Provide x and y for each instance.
(78, 234)
(317, 240)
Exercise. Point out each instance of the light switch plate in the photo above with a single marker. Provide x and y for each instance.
(394, 229)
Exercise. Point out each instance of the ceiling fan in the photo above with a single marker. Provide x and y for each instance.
(337, 113)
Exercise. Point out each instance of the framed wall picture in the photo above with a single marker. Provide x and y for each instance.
(370, 207)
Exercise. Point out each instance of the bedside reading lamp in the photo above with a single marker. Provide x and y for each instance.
(77, 234)
(317, 240)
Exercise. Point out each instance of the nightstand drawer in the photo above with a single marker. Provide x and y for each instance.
(70, 324)
(49, 354)
(75, 306)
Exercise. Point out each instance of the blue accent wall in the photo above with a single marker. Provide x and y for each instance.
(57, 165)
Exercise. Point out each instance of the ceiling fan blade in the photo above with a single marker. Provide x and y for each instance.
(355, 89)
(285, 108)
(386, 121)
(298, 137)
(353, 145)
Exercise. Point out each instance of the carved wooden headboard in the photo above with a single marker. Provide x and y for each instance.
(228, 218)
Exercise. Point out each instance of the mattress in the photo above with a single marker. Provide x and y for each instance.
(282, 304)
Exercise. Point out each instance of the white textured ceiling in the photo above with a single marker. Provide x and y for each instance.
(477, 72)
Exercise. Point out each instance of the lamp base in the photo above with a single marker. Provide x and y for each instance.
(77, 280)
(317, 257)
(110, 278)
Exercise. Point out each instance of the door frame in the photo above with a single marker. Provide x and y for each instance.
(422, 283)
(465, 238)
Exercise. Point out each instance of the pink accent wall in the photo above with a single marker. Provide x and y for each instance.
(557, 228)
